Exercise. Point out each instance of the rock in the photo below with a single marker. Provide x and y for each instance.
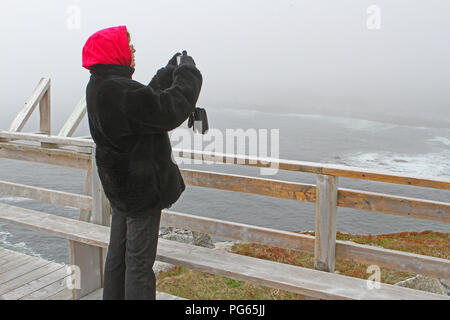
(202, 240)
(186, 236)
(175, 234)
(428, 284)
(445, 283)
(159, 267)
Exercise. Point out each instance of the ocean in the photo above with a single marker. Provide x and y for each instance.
(362, 143)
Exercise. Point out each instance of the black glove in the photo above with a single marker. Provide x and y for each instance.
(173, 61)
(164, 77)
(199, 114)
(185, 59)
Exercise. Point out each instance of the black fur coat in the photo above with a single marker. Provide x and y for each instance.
(129, 122)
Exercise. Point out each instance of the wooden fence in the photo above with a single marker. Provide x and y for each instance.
(64, 150)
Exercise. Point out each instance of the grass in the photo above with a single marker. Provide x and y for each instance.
(195, 285)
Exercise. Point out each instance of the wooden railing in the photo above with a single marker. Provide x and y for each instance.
(79, 153)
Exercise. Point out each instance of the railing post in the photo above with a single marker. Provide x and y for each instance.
(101, 209)
(100, 206)
(89, 259)
(325, 230)
(85, 215)
(45, 112)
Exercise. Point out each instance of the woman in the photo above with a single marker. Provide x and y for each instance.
(129, 122)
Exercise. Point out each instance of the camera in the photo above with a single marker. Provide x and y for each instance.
(198, 120)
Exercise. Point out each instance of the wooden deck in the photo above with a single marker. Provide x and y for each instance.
(24, 277)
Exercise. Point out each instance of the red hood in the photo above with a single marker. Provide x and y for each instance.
(107, 46)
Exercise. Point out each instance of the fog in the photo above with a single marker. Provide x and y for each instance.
(314, 56)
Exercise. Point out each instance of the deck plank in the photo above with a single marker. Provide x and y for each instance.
(48, 291)
(23, 269)
(8, 255)
(15, 262)
(3, 252)
(26, 278)
(65, 294)
(98, 295)
(36, 284)
(35, 280)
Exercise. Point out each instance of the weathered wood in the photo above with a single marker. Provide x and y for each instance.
(100, 208)
(85, 215)
(401, 206)
(23, 116)
(393, 259)
(260, 186)
(3, 252)
(74, 119)
(313, 283)
(35, 285)
(62, 295)
(23, 269)
(50, 290)
(300, 166)
(64, 158)
(99, 236)
(166, 296)
(88, 243)
(318, 168)
(88, 259)
(70, 229)
(4, 260)
(46, 195)
(387, 176)
(26, 278)
(96, 295)
(33, 269)
(45, 111)
(232, 265)
(369, 255)
(369, 201)
(56, 140)
(14, 263)
(1, 257)
(375, 202)
(238, 231)
(325, 228)
(100, 212)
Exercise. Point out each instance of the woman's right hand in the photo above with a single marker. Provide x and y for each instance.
(173, 60)
(185, 59)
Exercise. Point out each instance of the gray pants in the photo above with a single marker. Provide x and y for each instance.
(131, 254)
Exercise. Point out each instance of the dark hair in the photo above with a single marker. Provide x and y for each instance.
(129, 37)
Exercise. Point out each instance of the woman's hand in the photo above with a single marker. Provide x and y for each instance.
(185, 59)
(173, 61)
